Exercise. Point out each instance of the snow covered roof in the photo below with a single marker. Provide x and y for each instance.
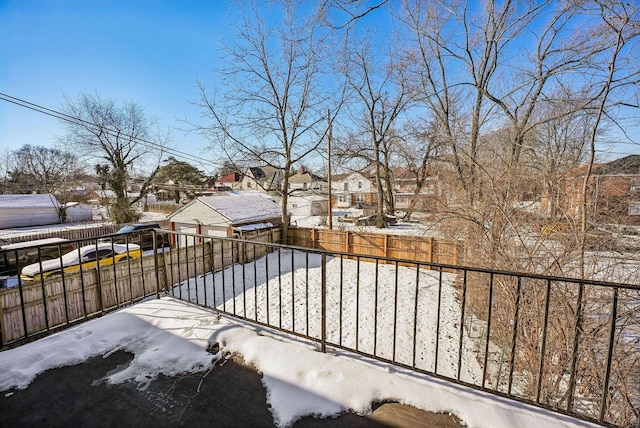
(243, 208)
(29, 201)
(253, 226)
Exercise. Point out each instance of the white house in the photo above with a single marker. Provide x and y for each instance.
(308, 205)
(352, 189)
(304, 181)
(225, 215)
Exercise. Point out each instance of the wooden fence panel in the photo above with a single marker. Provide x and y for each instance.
(67, 302)
(414, 248)
(88, 232)
(85, 295)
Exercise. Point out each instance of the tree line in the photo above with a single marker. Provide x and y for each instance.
(497, 99)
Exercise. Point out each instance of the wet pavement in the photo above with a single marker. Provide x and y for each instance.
(230, 394)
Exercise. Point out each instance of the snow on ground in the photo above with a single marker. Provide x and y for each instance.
(170, 337)
(282, 298)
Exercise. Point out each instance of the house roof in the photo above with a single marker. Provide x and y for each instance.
(243, 208)
(29, 201)
(305, 177)
(230, 178)
(339, 177)
(628, 165)
(263, 173)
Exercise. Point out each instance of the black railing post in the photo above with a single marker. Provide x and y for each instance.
(543, 346)
(514, 334)
(607, 373)
(323, 308)
(462, 309)
(438, 311)
(488, 335)
(575, 349)
(155, 262)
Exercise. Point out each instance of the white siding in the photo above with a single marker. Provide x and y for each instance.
(185, 228)
(220, 231)
(79, 213)
(198, 212)
(307, 206)
(25, 217)
(28, 210)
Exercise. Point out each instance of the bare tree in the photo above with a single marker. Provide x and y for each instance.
(382, 94)
(419, 151)
(619, 32)
(118, 135)
(273, 110)
(41, 169)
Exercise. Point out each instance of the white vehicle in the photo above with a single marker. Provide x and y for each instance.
(89, 256)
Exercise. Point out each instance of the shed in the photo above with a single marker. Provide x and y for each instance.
(28, 210)
(77, 212)
(308, 205)
(225, 215)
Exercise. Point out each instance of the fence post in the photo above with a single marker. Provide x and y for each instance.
(324, 303)
(346, 241)
(155, 265)
(386, 245)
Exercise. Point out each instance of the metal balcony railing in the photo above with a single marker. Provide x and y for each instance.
(568, 345)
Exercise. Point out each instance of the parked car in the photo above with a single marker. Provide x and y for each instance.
(140, 234)
(14, 256)
(87, 257)
(387, 220)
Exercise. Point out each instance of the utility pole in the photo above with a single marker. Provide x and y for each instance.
(330, 221)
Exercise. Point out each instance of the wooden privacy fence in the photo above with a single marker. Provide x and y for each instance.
(37, 308)
(87, 232)
(420, 249)
(203, 255)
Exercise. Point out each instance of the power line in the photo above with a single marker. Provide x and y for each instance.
(92, 126)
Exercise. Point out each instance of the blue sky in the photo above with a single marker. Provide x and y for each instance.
(148, 51)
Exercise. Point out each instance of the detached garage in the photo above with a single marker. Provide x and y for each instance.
(226, 216)
(28, 210)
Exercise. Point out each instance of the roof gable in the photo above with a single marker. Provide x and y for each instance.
(29, 201)
(628, 165)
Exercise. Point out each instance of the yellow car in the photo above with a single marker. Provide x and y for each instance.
(89, 256)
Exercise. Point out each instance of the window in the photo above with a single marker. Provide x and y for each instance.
(359, 184)
(104, 254)
(346, 187)
(342, 198)
(359, 197)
